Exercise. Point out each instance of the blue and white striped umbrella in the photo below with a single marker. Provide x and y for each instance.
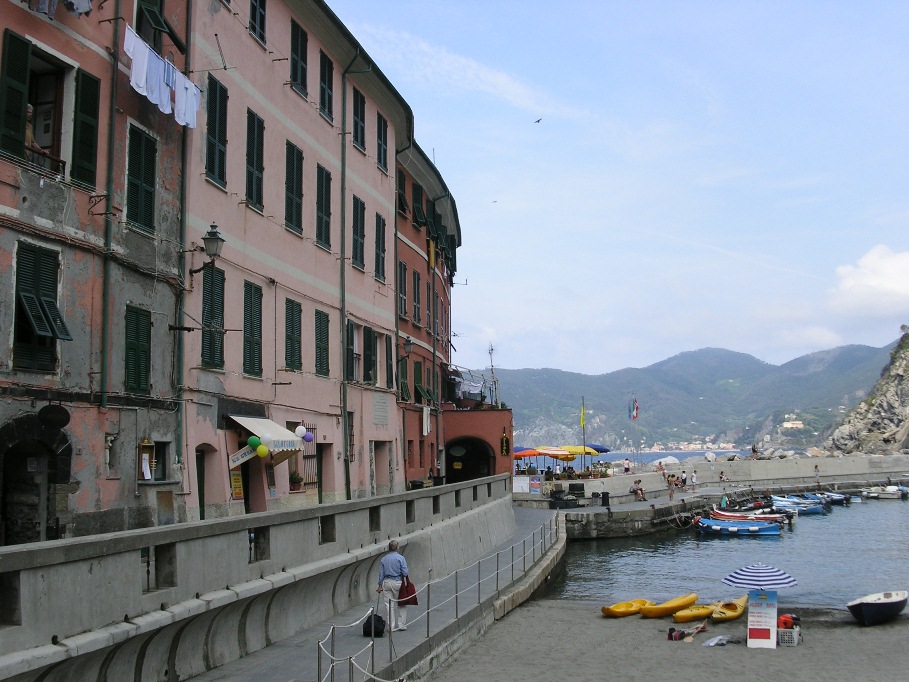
(760, 577)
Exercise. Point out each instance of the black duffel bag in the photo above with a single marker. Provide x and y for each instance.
(374, 626)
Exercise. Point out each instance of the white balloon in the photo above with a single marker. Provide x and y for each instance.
(300, 431)
(267, 439)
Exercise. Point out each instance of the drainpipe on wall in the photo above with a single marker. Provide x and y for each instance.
(109, 207)
(343, 265)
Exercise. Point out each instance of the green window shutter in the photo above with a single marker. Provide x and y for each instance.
(255, 168)
(381, 141)
(416, 297)
(85, 129)
(293, 189)
(252, 329)
(417, 373)
(402, 288)
(212, 316)
(357, 255)
(14, 92)
(389, 363)
(140, 179)
(349, 348)
(36, 286)
(380, 248)
(292, 335)
(138, 349)
(403, 386)
(216, 132)
(370, 369)
(326, 86)
(323, 207)
(321, 330)
(299, 43)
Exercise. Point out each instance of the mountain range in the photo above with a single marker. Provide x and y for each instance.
(708, 395)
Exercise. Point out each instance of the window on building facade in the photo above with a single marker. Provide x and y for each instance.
(352, 359)
(370, 356)
(30, 76)
(401, 285)
(323, 207)
(212, 317)
(138, 350)
(358, 245)
(293, 335)
(255, 159)
(326, 86)
(380, 248)
(216, 132)
(419, 217)
(39, 322)
(359, 119)
(403, 385)
(162, 457)
(428, 304)
(140, 179)
(400, 189)
(152, 25)
(416, 297)
(389, 362)
(252, 329)
(293, 188)
(257, 19)
(321, 343)
(381, 141)
(299, 44)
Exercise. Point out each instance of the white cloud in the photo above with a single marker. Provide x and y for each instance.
(878, 285)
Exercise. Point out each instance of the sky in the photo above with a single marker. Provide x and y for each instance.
(722, 174)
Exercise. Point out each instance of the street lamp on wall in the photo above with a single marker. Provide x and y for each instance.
(408, 347)
(213, 243)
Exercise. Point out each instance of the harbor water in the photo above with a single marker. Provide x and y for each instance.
(848, 553)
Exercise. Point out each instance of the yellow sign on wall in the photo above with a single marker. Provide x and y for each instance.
(236, 484)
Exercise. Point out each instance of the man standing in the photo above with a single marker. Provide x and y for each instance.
(627, 465)
(684, 482)
(694, 479)
(392, 569)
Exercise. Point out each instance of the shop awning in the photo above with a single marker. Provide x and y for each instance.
(283, 443)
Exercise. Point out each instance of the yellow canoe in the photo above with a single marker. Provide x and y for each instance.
(730, 610)
(624, 608)
(667, 608)
(696, 612)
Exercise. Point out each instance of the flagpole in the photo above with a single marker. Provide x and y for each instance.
(583, 434)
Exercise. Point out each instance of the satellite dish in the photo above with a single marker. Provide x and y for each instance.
(53, 416)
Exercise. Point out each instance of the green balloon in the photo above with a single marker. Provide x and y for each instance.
(254, 442)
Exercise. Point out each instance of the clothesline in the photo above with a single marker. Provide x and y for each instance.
(155, 78)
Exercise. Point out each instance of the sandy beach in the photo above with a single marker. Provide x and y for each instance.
(557, 640)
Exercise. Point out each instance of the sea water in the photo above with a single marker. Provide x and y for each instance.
(838, 557)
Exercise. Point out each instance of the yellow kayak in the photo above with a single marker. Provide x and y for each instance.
(624, 608)
(667, 608)
(696, 612)
(730, 610)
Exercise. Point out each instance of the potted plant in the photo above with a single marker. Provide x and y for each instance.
(296, 480)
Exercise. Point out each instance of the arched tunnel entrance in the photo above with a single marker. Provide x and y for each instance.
(468, 458)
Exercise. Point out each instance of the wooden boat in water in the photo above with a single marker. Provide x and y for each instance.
(667, 608)
(878, 608)
(730, 610)
(884, 492)
(722, 515)
(625, 608)
(695, 612)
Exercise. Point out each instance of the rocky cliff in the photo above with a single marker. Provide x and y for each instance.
(880, 424)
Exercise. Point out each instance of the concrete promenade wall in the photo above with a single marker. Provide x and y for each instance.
(100, 608)
(759, 473)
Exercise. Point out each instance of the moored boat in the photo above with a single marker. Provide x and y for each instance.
(878, 608)
(667, 608)
(730, 610)
(885, 492)
(625, 608)
(695, 612)
(780, 517)
(743, 528)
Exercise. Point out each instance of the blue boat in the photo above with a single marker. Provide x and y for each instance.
(803, 506)
(736, 528)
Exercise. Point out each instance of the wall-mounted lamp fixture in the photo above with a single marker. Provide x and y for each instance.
(408, 346)
(213, 242)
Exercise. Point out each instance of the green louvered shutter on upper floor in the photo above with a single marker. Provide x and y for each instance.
(212, 316)
(370, 368)
(293, 341)
(252, 329)
(85, 130)
(321, 342)
(140, 179)
(138, 350)
(14, 92)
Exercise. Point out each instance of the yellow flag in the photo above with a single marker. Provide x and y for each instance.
(582, 413)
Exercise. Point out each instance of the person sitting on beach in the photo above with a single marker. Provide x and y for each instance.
(723, 476)
(637, 490)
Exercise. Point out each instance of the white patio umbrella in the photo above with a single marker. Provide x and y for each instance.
(760, 577)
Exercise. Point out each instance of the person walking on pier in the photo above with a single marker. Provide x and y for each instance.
(392, 570)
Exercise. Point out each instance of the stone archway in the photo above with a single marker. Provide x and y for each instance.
(34, 462)
(467, 459)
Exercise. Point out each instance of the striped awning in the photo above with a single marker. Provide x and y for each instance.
(281, 443)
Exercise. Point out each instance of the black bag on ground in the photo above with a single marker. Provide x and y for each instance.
(374, 626)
